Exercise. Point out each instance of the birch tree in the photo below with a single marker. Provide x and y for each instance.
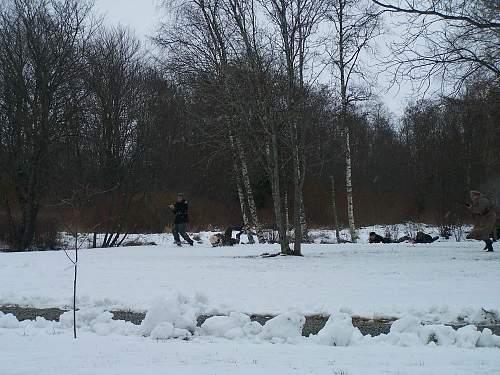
(204, 44)
(354, 25)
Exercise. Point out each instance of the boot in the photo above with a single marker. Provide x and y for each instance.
(489, 246)
(178, 243)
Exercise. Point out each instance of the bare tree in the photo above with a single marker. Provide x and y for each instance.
(42, 45)
(79, 200)
(204, 46)
(451, 40)
(296, 22)
(355, 25)
(115, 83)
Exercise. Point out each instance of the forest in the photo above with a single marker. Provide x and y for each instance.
(264, 113)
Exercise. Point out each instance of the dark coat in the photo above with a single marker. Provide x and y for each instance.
(422, 237)
(181, 212)
(377, 238)
(484, 219)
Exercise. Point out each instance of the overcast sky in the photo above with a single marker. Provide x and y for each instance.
(143, 15)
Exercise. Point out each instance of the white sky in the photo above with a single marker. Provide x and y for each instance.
(142, 16)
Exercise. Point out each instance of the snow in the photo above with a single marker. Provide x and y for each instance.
(8, 321)
(52, 351)
(285, 327)
(422, 285)
(179, 311)
(234, 326)
(438, 283)
(338, 331)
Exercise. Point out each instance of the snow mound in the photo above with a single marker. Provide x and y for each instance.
(467, 337)
(234, 326)
(8, 321)
(283, 328)
(166, 330)
(488, 339)
(97, 321)
(338, 331)
(179, 312)
(409, 331)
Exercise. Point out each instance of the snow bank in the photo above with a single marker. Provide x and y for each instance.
(97, 321)
(406, 332)
(176, 319)
(8, 321)
(409, 331)
(286, 327)
(234, 326)
(338, 331)
(173, 317)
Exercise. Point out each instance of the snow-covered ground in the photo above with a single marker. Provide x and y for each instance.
(117, 355)
(234, 345)
(442, 282)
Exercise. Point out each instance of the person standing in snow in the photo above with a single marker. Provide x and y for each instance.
(484, 218)
(180, 210)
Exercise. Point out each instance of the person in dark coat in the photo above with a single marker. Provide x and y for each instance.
(180, 210)
(377, 238)
(421, 237)
(484, 218)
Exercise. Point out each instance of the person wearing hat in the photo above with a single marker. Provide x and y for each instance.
(180, 210)
(484, 218)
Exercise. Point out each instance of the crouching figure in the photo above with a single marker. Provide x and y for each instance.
(226, 238)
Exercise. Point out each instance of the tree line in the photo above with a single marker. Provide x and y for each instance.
(233, 109)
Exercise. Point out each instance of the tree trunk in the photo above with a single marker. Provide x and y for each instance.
(287, 211)
(335, 214)
(241, 193)
(303, 217)
(276, 191)
(350, 204)
(297, 207)
(249, 193)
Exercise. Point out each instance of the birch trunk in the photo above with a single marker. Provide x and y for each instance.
(335, 214)
(241, 195)
(350, 204)
(303, 217)
(303, 220)
(249, 193)
(287, 211)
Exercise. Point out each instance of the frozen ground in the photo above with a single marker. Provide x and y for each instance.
(117, 355)
(442, 282)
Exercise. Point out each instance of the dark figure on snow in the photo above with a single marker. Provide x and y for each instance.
(377, 238)
(484, 218)
(180, 210)
(421, 237)
(226, 238)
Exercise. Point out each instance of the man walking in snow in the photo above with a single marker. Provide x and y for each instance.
(484, 218)
(180, 210)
